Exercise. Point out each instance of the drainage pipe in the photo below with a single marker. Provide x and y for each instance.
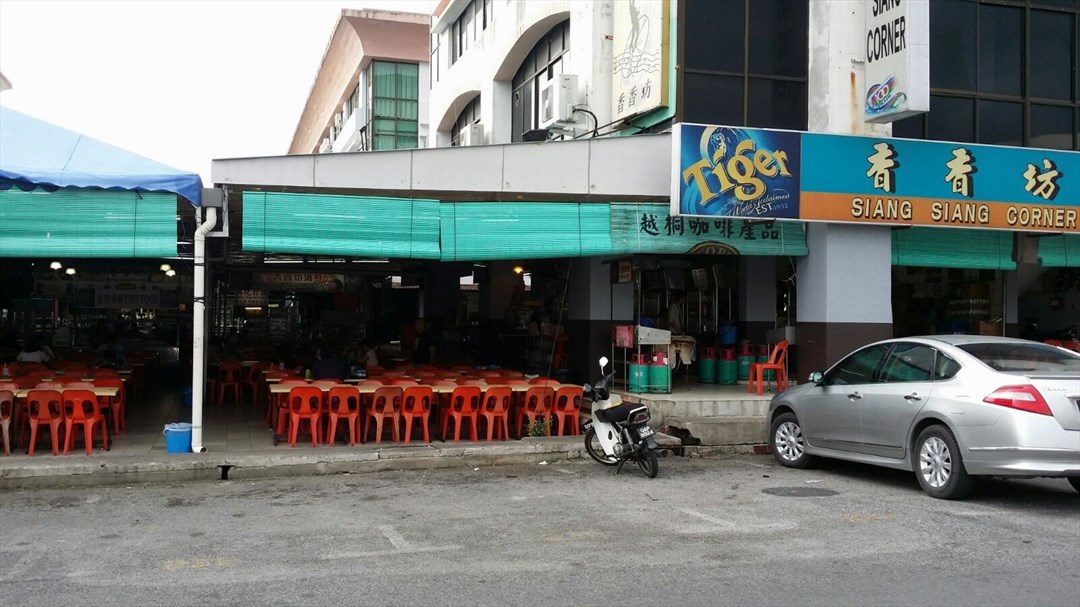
(198, 334)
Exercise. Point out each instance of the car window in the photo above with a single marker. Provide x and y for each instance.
(908, 362)
(945, 368)
(1024, 358)
(858, 368)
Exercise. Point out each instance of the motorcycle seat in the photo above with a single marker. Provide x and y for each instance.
(616, 414)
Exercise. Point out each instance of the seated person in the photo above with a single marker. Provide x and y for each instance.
(328, 366)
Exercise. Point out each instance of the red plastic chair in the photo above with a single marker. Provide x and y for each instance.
(7, 411)
(392, 374)
(118, 403)
(254, 378)
(45, 407)
(517, 382)
(544, 381)
(305, 404)
(535, 406)
(777, 362)
(50, 385)
(495, 408)
(567, 410)
(68, 378)
(464, 404)
(229, 374)
(385, 405)
(403, 381)
(281, 403)
(511, 374)
(82, 408)
(416, 402)
(487, 374)
(343, 401)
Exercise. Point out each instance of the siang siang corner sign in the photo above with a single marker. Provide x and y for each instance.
(897, 74)
(754, 173)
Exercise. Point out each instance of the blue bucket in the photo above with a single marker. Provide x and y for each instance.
(178, 438)
(725, 334)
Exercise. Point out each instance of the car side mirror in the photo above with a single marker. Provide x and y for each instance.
(817, 378)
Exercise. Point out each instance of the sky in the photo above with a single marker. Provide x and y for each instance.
(181, 82)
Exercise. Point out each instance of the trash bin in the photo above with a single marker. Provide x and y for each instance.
(178, 438)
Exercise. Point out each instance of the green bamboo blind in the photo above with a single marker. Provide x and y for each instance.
(953, 248)
(1061, 251)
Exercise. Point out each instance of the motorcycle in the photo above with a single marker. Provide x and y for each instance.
(618, 432)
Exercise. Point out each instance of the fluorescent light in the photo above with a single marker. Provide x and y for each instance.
(171, 272)
(56, 265)
(70, 271)
(165, 267)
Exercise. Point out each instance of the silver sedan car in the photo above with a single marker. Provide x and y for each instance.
(948, 407)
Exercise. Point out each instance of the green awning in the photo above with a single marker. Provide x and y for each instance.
(73, 222)
(953, 248)
(524, 230)
(647, 228)
(322, 224)
(1062, 251)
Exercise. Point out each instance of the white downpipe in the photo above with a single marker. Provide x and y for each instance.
(198, 333)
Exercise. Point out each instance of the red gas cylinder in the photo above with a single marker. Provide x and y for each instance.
(639, 359)
(708, 353)
(763, 350)
(727, 354)
(659, 358)
(745, 348)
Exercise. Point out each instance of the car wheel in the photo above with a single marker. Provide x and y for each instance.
(1075, 482)
(939, 466)
(788, 443)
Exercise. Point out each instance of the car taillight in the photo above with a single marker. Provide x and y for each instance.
(1024, 398)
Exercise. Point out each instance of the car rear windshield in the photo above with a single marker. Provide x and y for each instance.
(1025, 358)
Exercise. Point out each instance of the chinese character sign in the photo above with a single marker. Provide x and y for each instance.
(722, 171)
(756, 173)
(640, 62)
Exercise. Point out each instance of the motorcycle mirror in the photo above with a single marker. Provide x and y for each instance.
(603, 362)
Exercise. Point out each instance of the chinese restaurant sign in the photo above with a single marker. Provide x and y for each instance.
(311, 282)
(639, 67)
(897, 59)
(754, 173)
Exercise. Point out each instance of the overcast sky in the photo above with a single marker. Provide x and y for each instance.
(179, 82)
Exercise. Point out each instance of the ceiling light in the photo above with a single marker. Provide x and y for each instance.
(165, 267)
(518, 269)
(70, 271)
(56, 265)
(170, 272)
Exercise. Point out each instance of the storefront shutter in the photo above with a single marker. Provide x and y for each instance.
(1062, 251)
(524, 230)
(953, 248)
(72, 222)
(321, 224)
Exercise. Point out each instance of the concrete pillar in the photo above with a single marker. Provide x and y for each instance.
(844, 286)
(590, 313)
(592, 27)
(496, 103)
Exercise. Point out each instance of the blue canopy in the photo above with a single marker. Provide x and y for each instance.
(35, 152)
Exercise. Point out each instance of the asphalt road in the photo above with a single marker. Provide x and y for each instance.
(711, 531)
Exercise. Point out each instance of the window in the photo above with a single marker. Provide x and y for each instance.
(945, 368)
(744, 62)
(908, 362)
(467, 27)
(545, 61)
(395, 92)
(1025, 358)
(1002, 73)
(857, 368)
(469, 116)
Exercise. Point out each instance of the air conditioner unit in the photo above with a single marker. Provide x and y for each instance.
(472, 135)
(557, 99)
(325, 147)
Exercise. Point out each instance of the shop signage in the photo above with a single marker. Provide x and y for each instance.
(752, 173)
(311, 282)
(138, 298)
(640, 63)
(897, 59)
(648, 228)
(250, 297)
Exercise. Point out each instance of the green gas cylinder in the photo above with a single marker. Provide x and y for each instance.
(639, 373)
(707, 366)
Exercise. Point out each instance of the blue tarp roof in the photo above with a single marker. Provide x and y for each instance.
(36, 152)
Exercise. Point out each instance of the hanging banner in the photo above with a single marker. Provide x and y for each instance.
(639, 69)
(139, 298)
(755, 173)
(309, 282)
(897, 59)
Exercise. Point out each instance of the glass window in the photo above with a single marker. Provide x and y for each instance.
(469, 116)
(908, 362)
(713, 99)
(1001, 30)
(1050, 60)
(945, 368)
(951, 119)
(857, 368)
(1001, 123)
(1024, 358)
(952, 45)
(776, 104)
(911, 128)
(714, 35)
(395, 93)
(1052, 127)
(545, 60)
(778, 43)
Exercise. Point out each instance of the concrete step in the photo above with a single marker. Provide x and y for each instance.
(722, 430)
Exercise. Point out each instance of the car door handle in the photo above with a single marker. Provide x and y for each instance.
(855, 396)
(912, 396)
